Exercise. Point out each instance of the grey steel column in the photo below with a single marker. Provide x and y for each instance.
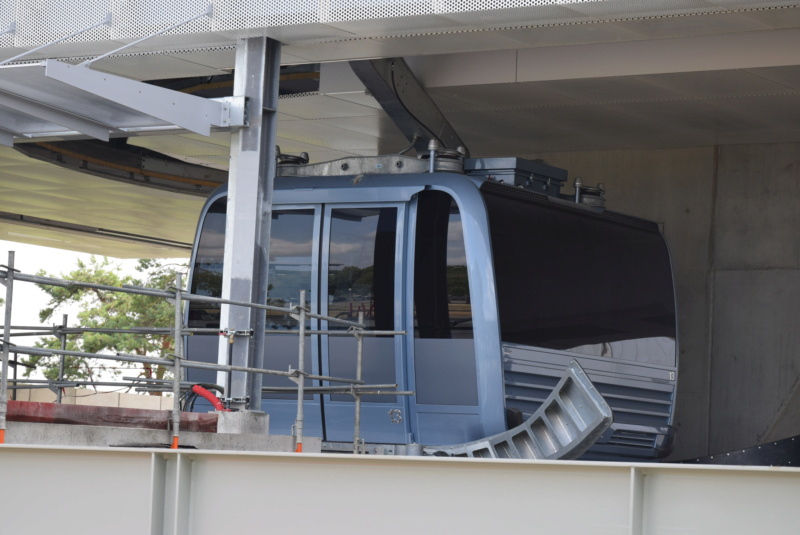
(249, 216)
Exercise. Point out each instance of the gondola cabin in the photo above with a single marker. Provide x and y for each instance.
(498, 279)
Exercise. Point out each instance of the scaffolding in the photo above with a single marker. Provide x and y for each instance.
(355, 387)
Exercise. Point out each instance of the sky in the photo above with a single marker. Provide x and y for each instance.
(29, 259)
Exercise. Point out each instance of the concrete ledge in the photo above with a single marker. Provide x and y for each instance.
(27, 433)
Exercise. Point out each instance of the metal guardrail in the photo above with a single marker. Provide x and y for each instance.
(356, 387)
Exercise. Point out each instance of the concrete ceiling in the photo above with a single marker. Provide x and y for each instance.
(601, 76)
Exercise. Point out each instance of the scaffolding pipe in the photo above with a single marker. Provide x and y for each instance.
(9, 283)
(64, 283)
(359, 357)
(325, 389)
(22, 384)
(153, 292)
(57, 330)
(26, 327)
(137, 330)
(301, 369)
(62, 357)
(40, 333)
(356, 386)
(176, 370)
(16, 371)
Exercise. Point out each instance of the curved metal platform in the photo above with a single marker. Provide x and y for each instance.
(569, 421)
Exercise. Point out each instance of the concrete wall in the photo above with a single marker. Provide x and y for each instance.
(731, 215)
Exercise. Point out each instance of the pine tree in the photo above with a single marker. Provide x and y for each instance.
(110, 310)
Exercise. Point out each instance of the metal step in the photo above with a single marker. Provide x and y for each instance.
(569, 421)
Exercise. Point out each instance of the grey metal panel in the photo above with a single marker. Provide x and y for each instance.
(661, 377)
(378, 365)
(445, 372)
(445, 425)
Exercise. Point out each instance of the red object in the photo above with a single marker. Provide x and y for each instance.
(174, 445)
(52, 413)
(214, 400)
(299, 448)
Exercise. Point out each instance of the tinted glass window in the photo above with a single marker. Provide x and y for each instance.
(361, 265)
(573, 280)
(289, 268)
(290, 259)
(442, 306)
(207, 269)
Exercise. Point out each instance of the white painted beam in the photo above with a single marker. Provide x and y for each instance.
(203, 492)
(193, 113)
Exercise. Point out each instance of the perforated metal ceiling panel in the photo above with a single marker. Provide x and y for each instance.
(300, 22)
(515, 77)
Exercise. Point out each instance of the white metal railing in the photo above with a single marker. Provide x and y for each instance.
(356, 387)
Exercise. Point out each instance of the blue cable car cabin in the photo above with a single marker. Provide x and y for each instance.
(498, 280)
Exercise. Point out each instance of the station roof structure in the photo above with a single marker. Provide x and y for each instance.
(514, 78)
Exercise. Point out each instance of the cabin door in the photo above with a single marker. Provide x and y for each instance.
(361, 266)
(293, 266)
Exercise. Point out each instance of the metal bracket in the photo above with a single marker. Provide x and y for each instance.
(4, 274)
(406, 102)
(12, 28)
(297, 376)
(296, 314)
(191, 112)
(230, 334)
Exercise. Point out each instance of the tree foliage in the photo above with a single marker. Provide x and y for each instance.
(110, 310)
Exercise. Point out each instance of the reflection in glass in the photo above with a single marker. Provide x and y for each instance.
(290, 260)
(361, 265)
(290, 248)
(441, 286)
(207, 269)
(577, 280)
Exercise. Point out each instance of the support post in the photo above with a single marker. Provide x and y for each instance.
(61, 358)
(249, 217)
(6, 343)
(299, 422)
(176, 369)
(359, 365)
